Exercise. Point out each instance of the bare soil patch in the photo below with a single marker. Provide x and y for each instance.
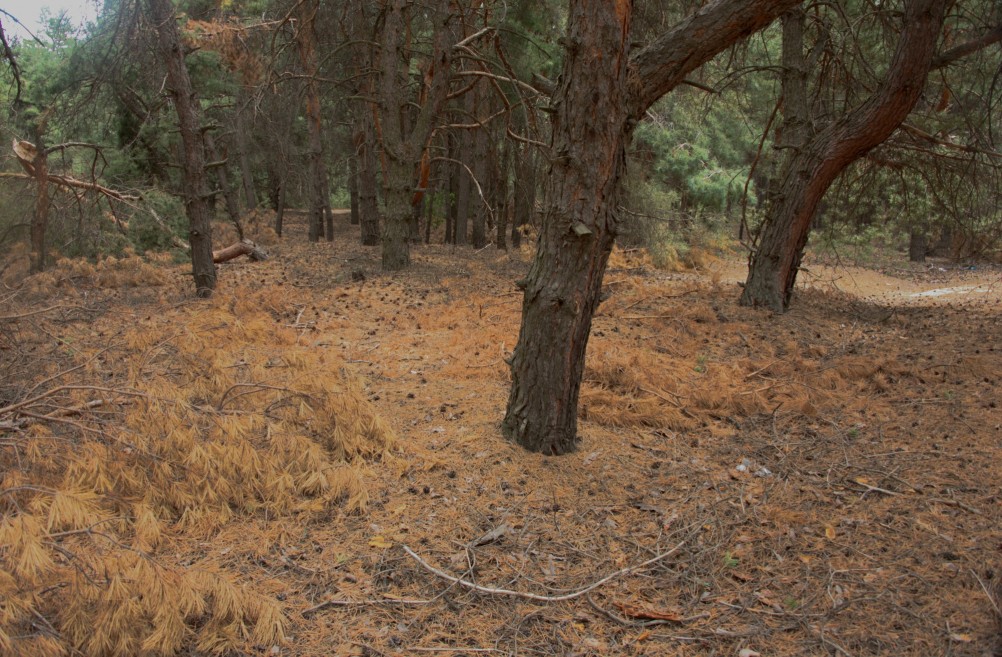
(823, 482)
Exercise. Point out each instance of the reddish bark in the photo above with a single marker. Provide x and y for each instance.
(773, 269)
(603, 92)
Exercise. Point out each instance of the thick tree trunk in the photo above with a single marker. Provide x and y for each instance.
(197, 199)
(773, 269)
(590, 132)
(397, 212)
(603, 93)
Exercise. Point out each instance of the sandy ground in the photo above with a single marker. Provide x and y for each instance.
(933, 283)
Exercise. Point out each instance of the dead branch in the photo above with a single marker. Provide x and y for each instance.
(237, 249)
(535, 596)
(10, 408)
(73, 183)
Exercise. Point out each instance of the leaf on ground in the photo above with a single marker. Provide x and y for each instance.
(380, 542)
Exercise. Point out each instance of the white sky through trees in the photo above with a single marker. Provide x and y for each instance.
(29, 12)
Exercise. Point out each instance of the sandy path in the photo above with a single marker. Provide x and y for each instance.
(933, 284)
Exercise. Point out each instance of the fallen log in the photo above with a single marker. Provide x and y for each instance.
(237, 249)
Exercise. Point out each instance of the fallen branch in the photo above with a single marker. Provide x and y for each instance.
(243, 247)
(535, 596)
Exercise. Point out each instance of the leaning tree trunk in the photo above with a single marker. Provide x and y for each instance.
(197, 199)
(590, 132)
(603, 93)
(772, 272)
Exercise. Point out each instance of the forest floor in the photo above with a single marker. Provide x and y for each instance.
(824, 482)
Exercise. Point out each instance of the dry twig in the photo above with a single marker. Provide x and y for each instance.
(535, 596)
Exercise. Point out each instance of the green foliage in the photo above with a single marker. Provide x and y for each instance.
(149, 234)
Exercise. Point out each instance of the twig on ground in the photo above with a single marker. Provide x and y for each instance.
(362, 603)
(956, 503)
(535, 596)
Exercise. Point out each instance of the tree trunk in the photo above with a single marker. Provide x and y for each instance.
(40, 218)
(328, 211)
(452, 189)
(280, 206)
(197, 199)
(918, 245)
(397, 212)
(602, 94)
(353, 186)
(773, 269)
(243, 152)
(525, 194)
(502, 205)
(406, 135)
(481, 169)
(229, 200)
(306, 39)
(368, 204)
(590, 132)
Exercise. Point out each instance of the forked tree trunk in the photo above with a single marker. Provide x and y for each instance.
(772, 272)
(603, 93)
(406, 136)
(197, 200)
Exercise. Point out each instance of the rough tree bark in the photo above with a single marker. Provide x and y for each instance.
(772, 271)
(197, 199)
(603, 93)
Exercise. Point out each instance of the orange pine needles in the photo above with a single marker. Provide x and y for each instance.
(225, 416)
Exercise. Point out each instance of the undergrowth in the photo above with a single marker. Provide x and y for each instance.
(157, 439)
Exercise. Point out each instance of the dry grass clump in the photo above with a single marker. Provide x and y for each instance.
(108, 272)
(200, 416)
(258, 226)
